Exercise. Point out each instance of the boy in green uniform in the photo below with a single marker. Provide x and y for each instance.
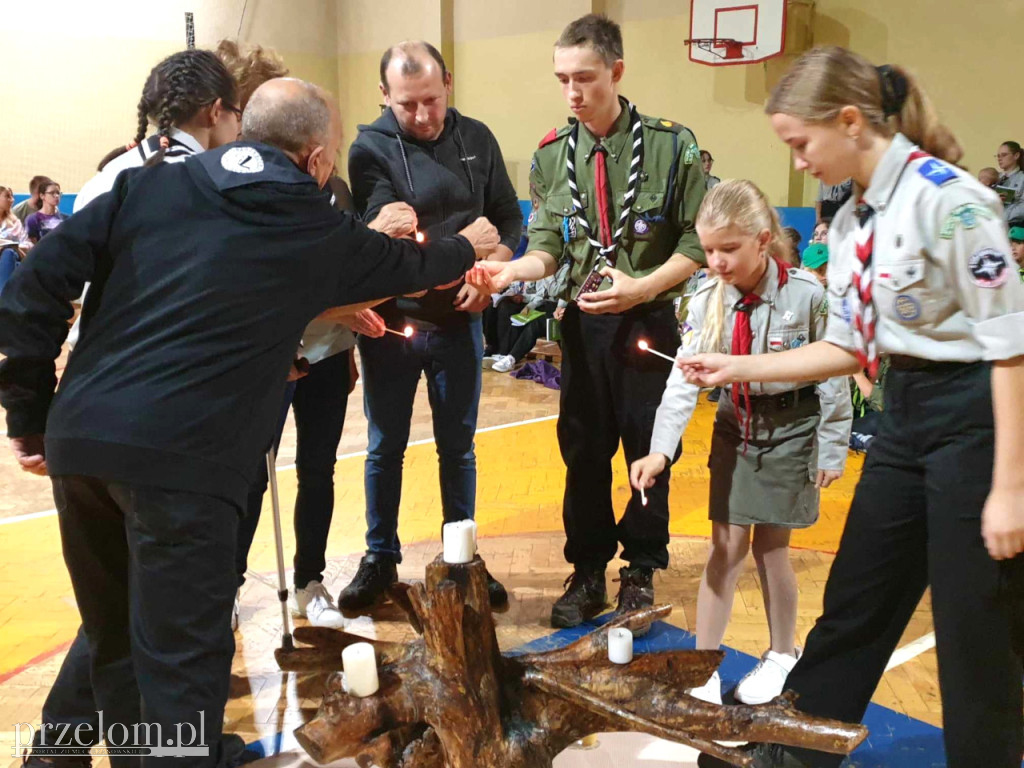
(615, 194)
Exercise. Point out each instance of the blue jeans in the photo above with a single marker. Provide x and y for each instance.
(392, 366)
(8, 261)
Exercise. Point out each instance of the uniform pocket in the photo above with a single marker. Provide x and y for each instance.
(646, 216)
(901, 290)
(781, 339)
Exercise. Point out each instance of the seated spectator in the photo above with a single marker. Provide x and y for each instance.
(793, 238)
(1017, 244)
(511, 340)
(47, 218)
(707, 161)
(14, 240)
(867, 406)
(820, 234)
(1011, 181)
(831, 199)
(988, 176)
(26, 208)
(815, 261)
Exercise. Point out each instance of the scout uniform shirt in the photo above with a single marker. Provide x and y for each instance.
(943, 277)
(787, 318)
(661, 223)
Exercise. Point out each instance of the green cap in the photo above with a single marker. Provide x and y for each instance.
(815, 255)
(1017, 233)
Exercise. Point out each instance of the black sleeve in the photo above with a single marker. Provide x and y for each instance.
(501, 204)
(36, 306)
(342, 196)
(371, 183)
(378, 267)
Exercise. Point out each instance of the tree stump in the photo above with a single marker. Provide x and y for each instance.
(451, 699)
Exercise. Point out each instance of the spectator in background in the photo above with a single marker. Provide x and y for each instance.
(512, 341)
(251, 67)
(1011, 182)
(26, 208)
(831, 199)
(867, 406)
(793, 238)
(1017, 245)
(47, 218)
(988, 176)
(815, 261)
(820, 234)
(707, 161)
(13, 237)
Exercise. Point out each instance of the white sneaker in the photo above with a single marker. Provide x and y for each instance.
(768, 679)
(314, 602)
(710, 692)
(234, 612)
(504, 364)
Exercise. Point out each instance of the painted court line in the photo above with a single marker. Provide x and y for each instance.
(51, 512)
(911, 651)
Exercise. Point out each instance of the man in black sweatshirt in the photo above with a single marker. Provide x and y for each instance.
(449, 168)
(204, 275)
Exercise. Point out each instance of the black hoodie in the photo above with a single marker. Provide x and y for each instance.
(205, 274)
(449, 182)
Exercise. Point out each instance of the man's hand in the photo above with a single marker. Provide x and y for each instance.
(826, 477)
(643, 472)
(30, 453)
(1002, 523)
(395, 220)
(483, 236)
(491, 276)
(368, 323)
(471, 300)
(626, 292)
(559, 314)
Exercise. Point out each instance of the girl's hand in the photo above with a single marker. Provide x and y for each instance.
(643, 471)
(1002, 523)
(826, 477)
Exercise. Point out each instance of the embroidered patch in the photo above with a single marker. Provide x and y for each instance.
(845, 312)
(640, 226)
(906, 307)
(775, 344)
(569, 228)
(966, 216)
(242, 160)
(692, 154)
(936, 171)
(799, 341)
(787, 317)
(988, 268)
(823, 309)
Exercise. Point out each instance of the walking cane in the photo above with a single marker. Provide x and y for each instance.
(282, 588)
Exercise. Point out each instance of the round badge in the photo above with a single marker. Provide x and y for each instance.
(242, 160)
(533, 215)
(907, 308)
(988, 268)
(641, 227)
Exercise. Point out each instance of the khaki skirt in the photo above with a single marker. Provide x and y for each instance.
(772, 483)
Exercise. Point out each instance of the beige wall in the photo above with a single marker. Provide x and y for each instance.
(82, 102)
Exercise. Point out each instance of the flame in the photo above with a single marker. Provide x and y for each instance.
(420, 237)
(408, 331)
(643, 345)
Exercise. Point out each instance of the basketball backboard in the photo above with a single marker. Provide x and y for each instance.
(724, 32)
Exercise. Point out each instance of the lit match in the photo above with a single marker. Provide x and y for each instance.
(405, 333)
(645, 347)
(420, 237)
(643, 497)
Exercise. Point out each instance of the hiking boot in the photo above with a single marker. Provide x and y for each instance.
(583, 599)
(636, 591)
(764, 755)
(370, 584)
(497, 595)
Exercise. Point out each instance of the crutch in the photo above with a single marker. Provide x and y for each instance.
(282, 587)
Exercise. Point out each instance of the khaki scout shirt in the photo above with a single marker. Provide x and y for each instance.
(647, 241)
(787, 318)
(943, 276)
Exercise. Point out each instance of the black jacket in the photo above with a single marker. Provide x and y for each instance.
(205, 274)
(449, 182)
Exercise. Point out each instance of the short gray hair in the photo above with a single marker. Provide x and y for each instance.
(290, 122)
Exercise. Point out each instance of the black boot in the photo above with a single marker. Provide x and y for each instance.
(376, 573)
(496, 592)
(764, 755)
(584, 598)
(636, 591)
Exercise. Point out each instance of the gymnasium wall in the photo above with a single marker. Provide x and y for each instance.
(74, 94)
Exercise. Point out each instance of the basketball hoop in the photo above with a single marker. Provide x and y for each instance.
(733, 48)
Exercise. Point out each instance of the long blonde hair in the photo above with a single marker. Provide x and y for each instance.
(8, 217)
(824, 80)
(736, 203)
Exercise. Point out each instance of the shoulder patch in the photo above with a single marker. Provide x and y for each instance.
(691, 155)
(553, 135)
(966, 216)
(936, 171)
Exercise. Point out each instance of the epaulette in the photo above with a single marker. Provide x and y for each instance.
(804, 275)
(554, 134)
(662, 125)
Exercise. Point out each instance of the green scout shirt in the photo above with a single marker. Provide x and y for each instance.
(646, 243)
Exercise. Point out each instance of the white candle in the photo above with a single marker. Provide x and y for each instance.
(459, 541)
(359, 663)
(620, 646)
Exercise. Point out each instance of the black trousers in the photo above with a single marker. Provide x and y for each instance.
(153, 574)
(610, 394)
(915, 522)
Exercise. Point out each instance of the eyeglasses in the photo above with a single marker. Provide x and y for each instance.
(56, 193)
(1001, 155)
(234, 110)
